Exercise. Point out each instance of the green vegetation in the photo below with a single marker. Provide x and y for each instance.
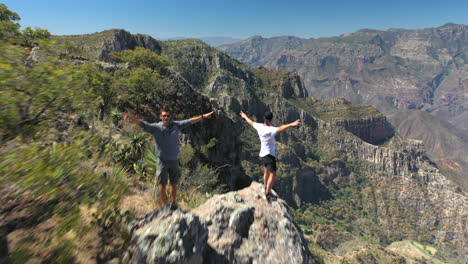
(31, 94)
(87, 45)
(272, 80)
(141, 57)
(65, 147)
(335, 109)
(194, 67)
(61, 176)
(9, 28)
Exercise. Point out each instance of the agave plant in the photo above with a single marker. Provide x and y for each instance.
(137, 143)
(116, 116)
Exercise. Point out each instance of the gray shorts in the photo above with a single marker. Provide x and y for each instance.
(167, 169)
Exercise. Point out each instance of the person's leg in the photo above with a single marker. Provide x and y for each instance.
(266, 175)
(174, 176)
(271, 181)
(161, 180)
(271, 168)
(173, 193)
(162, 193)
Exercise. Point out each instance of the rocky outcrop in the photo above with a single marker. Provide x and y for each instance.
(245, 228)
(373, 130)
(236, 227)
(163, 236)
(292, 86)
(123, 40)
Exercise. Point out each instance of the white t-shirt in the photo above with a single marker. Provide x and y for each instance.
(267, 139)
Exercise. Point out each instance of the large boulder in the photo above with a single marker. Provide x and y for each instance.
(245, 228)
(236, 227)
(164, 236)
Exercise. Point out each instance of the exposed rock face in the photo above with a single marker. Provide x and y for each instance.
(406, 174)
(445, 144)
(163, 236)
(374, 130)
(362, 121)
(123, 40)
(241, 227)
(245, 228)
(292, 86)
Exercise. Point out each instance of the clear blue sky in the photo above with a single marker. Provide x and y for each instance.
(237, 18)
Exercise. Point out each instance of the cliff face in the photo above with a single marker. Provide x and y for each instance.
(374, 130)
(400, 171)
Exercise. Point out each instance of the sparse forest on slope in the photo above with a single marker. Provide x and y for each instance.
(354, 186)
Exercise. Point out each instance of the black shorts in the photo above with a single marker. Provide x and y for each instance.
(269, 161)
(167, 169)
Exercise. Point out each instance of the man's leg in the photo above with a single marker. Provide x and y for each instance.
(266, 175)
(174, 176)
(271, 181)
(161, 180)
(162, 193)
(173, 193)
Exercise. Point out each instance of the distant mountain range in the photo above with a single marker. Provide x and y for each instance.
(214, 41)
(395, 70)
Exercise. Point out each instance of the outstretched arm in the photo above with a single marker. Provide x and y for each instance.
(197, 119)
(131, 118)
(243, 115)
(285, 127)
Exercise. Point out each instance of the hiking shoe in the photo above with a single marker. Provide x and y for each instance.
(270, 197)
(174, 206)
(165, 208)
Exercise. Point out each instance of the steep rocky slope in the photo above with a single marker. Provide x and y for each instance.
(391, 70)
(440, 142)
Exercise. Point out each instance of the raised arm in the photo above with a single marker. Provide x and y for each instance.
(197, 119)
(243, 115)
(285, 127)
(127, 116)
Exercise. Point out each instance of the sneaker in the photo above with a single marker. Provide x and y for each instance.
(270, 197)
(174, 206)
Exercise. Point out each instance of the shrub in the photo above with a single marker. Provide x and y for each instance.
(62, 173)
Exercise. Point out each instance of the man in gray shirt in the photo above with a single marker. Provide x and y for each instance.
(166, 138)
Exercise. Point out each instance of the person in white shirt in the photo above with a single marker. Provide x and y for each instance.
(266, 133)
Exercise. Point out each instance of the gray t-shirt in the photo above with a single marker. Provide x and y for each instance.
(166, 138)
